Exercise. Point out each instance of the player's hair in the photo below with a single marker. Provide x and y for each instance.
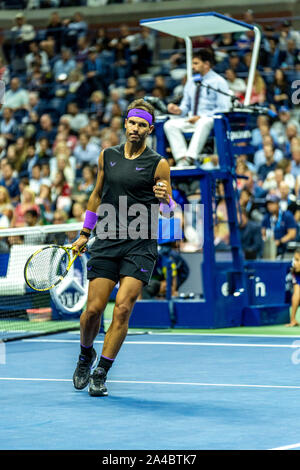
(142, 104)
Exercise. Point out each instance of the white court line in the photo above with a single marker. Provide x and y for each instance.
(171, 343)
(292, 446)
(147, 382)
(235, 335)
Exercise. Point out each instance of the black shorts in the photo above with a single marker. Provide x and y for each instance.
(113, 259)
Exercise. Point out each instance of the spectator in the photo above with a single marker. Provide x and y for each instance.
(85, 186)
(8, 125)
(31, 58)
(262, 130)
(16, 97)
(6, 208)
(252, 185)
(235, 84)
(20, 36)
(251, 239)
(291, 132)
(78, 213)
(115, 106)
(82, 49)
(287, 32)
(47, 130)
(31, 219)
(295, 170)
(94, 71)
(248, 204)
(85, 151)
(270, 164)
(54, 31)
(278, 92)
(27, 202)
(36, 179)
(45, 204)
(280, 125)
(288, 200)
(10, 182)
(96, 107)
(259, 89)
(260, 157)
(290, 57)
(281, 223)
(76, 28)
(77, 119)
(61, 192)
(101, 41)
(65, 64)
(120, 47)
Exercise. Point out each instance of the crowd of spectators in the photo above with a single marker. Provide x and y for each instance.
(68, 88)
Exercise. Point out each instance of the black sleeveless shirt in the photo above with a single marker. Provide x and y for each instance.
(128, 209)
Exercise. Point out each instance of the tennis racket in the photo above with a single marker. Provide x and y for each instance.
(48, 266)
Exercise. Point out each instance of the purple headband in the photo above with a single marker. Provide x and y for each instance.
(140, 113)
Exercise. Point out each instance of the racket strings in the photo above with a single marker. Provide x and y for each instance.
(47, 267)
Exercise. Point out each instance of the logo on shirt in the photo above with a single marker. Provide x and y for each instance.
(112, 163)
(138, 168)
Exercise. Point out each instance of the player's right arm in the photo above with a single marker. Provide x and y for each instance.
(93, 202)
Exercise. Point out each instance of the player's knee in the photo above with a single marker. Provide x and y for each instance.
(122, 312)
(94, 310)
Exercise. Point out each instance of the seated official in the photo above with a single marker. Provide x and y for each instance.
(196, 110)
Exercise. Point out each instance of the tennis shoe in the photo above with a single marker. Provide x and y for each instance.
(85, 366)
(97, 386)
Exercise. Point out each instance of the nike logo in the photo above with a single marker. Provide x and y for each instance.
(89, 268)
(139, 169)
(144, 270)
(112, 163)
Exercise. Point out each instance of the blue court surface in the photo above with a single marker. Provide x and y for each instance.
(166, 391)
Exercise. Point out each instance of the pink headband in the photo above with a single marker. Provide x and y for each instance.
(140, 113)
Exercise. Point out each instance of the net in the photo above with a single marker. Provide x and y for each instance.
(25, 312)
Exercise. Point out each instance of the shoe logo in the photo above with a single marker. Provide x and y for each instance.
(139, 169)
(112, 163)
(89, 268)
(144, 270)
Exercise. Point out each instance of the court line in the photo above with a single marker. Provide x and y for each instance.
(291, 446)
(171, 343)
(148, 382)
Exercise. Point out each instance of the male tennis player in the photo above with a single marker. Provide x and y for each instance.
(130, 174)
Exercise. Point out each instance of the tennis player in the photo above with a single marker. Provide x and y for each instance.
(135, 174)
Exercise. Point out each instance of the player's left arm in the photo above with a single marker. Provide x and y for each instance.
(162, 188)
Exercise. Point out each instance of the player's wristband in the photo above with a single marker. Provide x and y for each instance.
(167, 208)
(90, 220)
(86, 234)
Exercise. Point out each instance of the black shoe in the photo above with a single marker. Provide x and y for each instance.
(82, 373)
(97, 386)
